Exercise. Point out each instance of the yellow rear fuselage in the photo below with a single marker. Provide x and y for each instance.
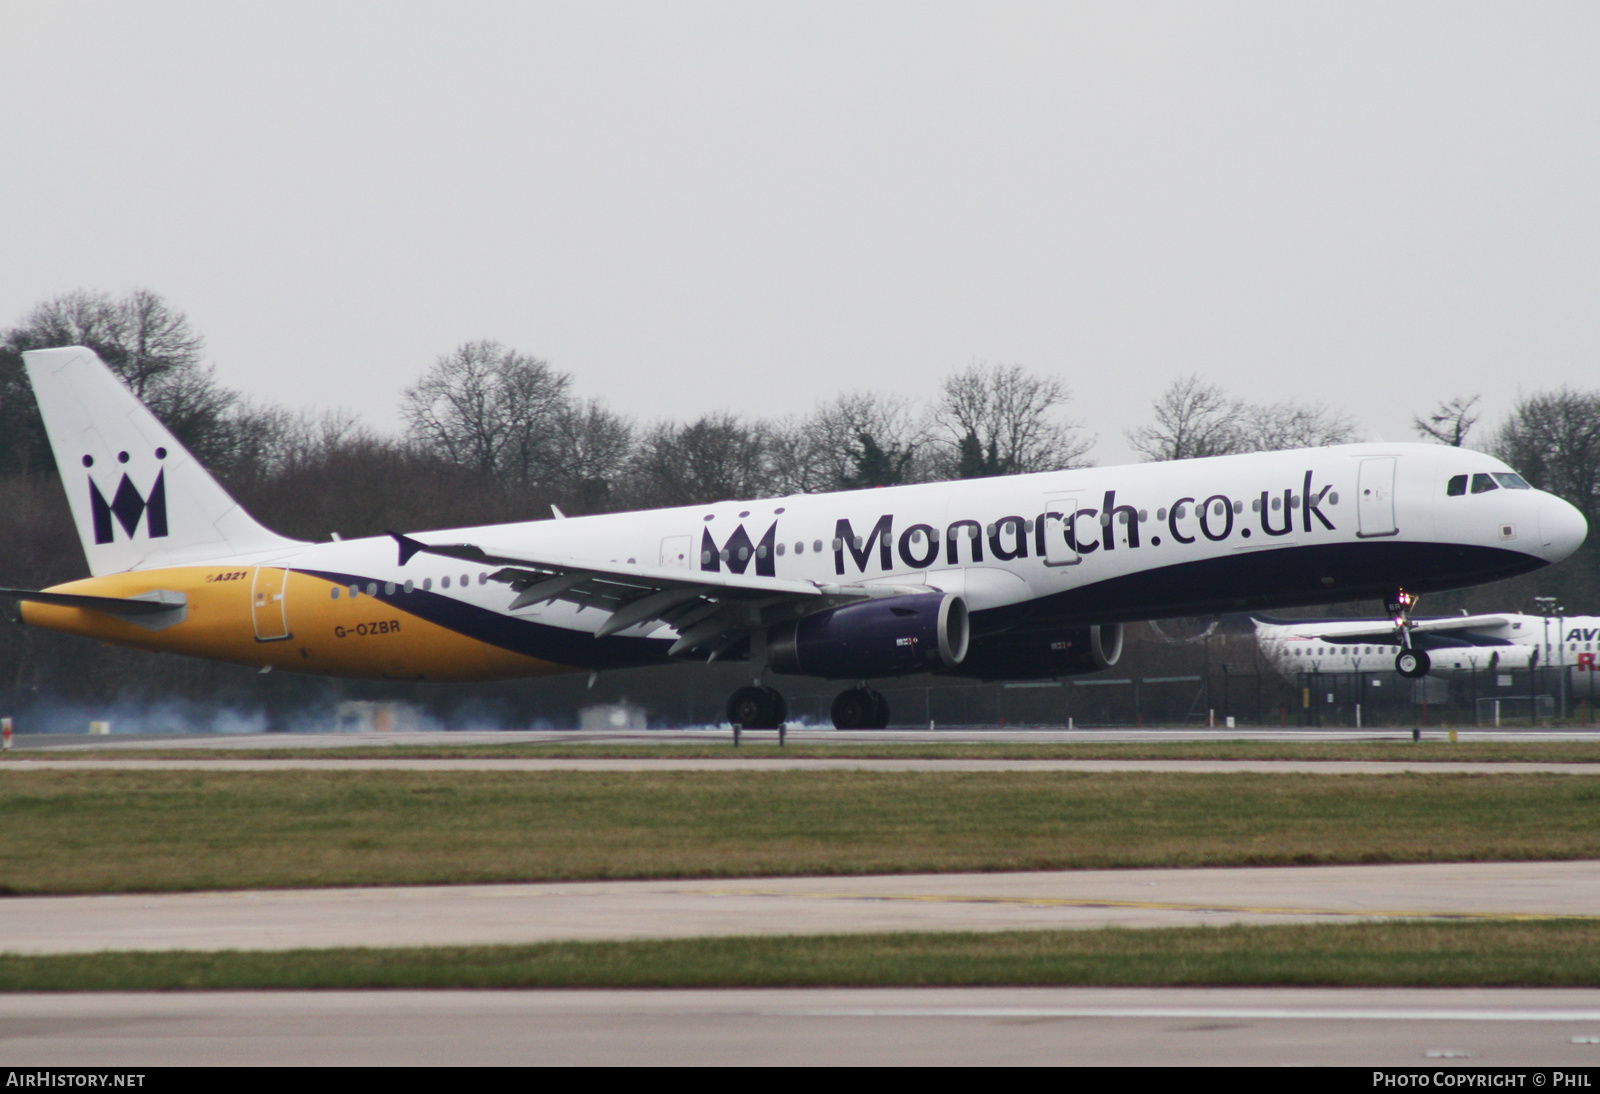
(230, 609)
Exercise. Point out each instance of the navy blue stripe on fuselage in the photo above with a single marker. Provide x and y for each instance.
(1283, 578)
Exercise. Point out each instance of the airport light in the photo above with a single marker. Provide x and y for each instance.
(1549, 606)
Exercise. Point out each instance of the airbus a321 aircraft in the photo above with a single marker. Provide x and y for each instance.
(1455, 643)
(1028, 576)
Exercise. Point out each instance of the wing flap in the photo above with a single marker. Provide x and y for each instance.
(649, 578)
(709, 609)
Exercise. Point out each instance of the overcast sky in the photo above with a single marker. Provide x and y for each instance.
(693, 206)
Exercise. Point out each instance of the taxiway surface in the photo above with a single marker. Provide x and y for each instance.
(941, 1026)
(486, 914)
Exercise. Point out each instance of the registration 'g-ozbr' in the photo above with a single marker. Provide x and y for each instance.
(1023, 577)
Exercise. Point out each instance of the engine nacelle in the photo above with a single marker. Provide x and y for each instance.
(895, 636)
(1034, 655)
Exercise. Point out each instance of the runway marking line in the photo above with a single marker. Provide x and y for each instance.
(1147, 905)
(1192, 1012)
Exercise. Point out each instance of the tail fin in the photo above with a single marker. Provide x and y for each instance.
(138, 497)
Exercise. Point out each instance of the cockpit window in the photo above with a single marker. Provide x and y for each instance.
(1510, 481)
(1456, 487)
(1482, 484)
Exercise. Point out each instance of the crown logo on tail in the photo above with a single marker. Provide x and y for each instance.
(129, 507)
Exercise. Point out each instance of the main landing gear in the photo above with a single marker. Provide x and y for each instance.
(1410, 662)
(860, 708)
(757, 708)
(765, 708)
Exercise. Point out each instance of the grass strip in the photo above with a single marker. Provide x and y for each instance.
(1557, 953)
(1429, 750)
(110, 831)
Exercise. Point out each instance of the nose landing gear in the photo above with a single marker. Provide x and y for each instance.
(1410, 662)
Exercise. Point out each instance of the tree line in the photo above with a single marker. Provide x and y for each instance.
(506, 428)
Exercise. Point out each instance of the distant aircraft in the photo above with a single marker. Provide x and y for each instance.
(1458, 643)
(1027, 576)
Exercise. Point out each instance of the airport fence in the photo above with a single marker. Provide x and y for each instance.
(1198, 681)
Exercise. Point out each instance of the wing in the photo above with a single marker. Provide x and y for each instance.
(1445, 627)
(710, 610)
(1451, 623)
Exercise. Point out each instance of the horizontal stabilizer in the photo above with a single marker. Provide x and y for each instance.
(153, 610)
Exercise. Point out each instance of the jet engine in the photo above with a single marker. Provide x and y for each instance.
(894, 636)
(1034, 655)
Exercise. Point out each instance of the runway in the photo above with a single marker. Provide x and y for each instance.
(1427, 1028)
(802, 762)
(798, 736)
(486, 914)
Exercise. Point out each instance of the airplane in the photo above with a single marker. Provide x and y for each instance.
(1456, 644)
(1020, 577)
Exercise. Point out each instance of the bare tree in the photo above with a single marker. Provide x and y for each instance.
(1000, 420)
(859, 439)
(271, 442)
(1553, 439)
(718, 457)
(23, 444)
(591, 446)
(1450, 423)
(795, 458)
(1277, 427)
(145, 341)
(1193, 419)
(141, 336)
(488, 408)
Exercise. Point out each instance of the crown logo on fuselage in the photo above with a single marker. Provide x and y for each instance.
(738, 552)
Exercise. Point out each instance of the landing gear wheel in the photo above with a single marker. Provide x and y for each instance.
(880, 711)
(780, 709)
(756, 708)
(1412, 664)
(860, 708)
(853, 709)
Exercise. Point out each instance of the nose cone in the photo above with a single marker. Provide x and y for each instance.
(1562, 528)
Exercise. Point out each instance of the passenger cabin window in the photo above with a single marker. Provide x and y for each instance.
(1510, 481)
(1482, 484)
(1457, 486)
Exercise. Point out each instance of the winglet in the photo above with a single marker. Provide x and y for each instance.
(555, 511)
(408, 546)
